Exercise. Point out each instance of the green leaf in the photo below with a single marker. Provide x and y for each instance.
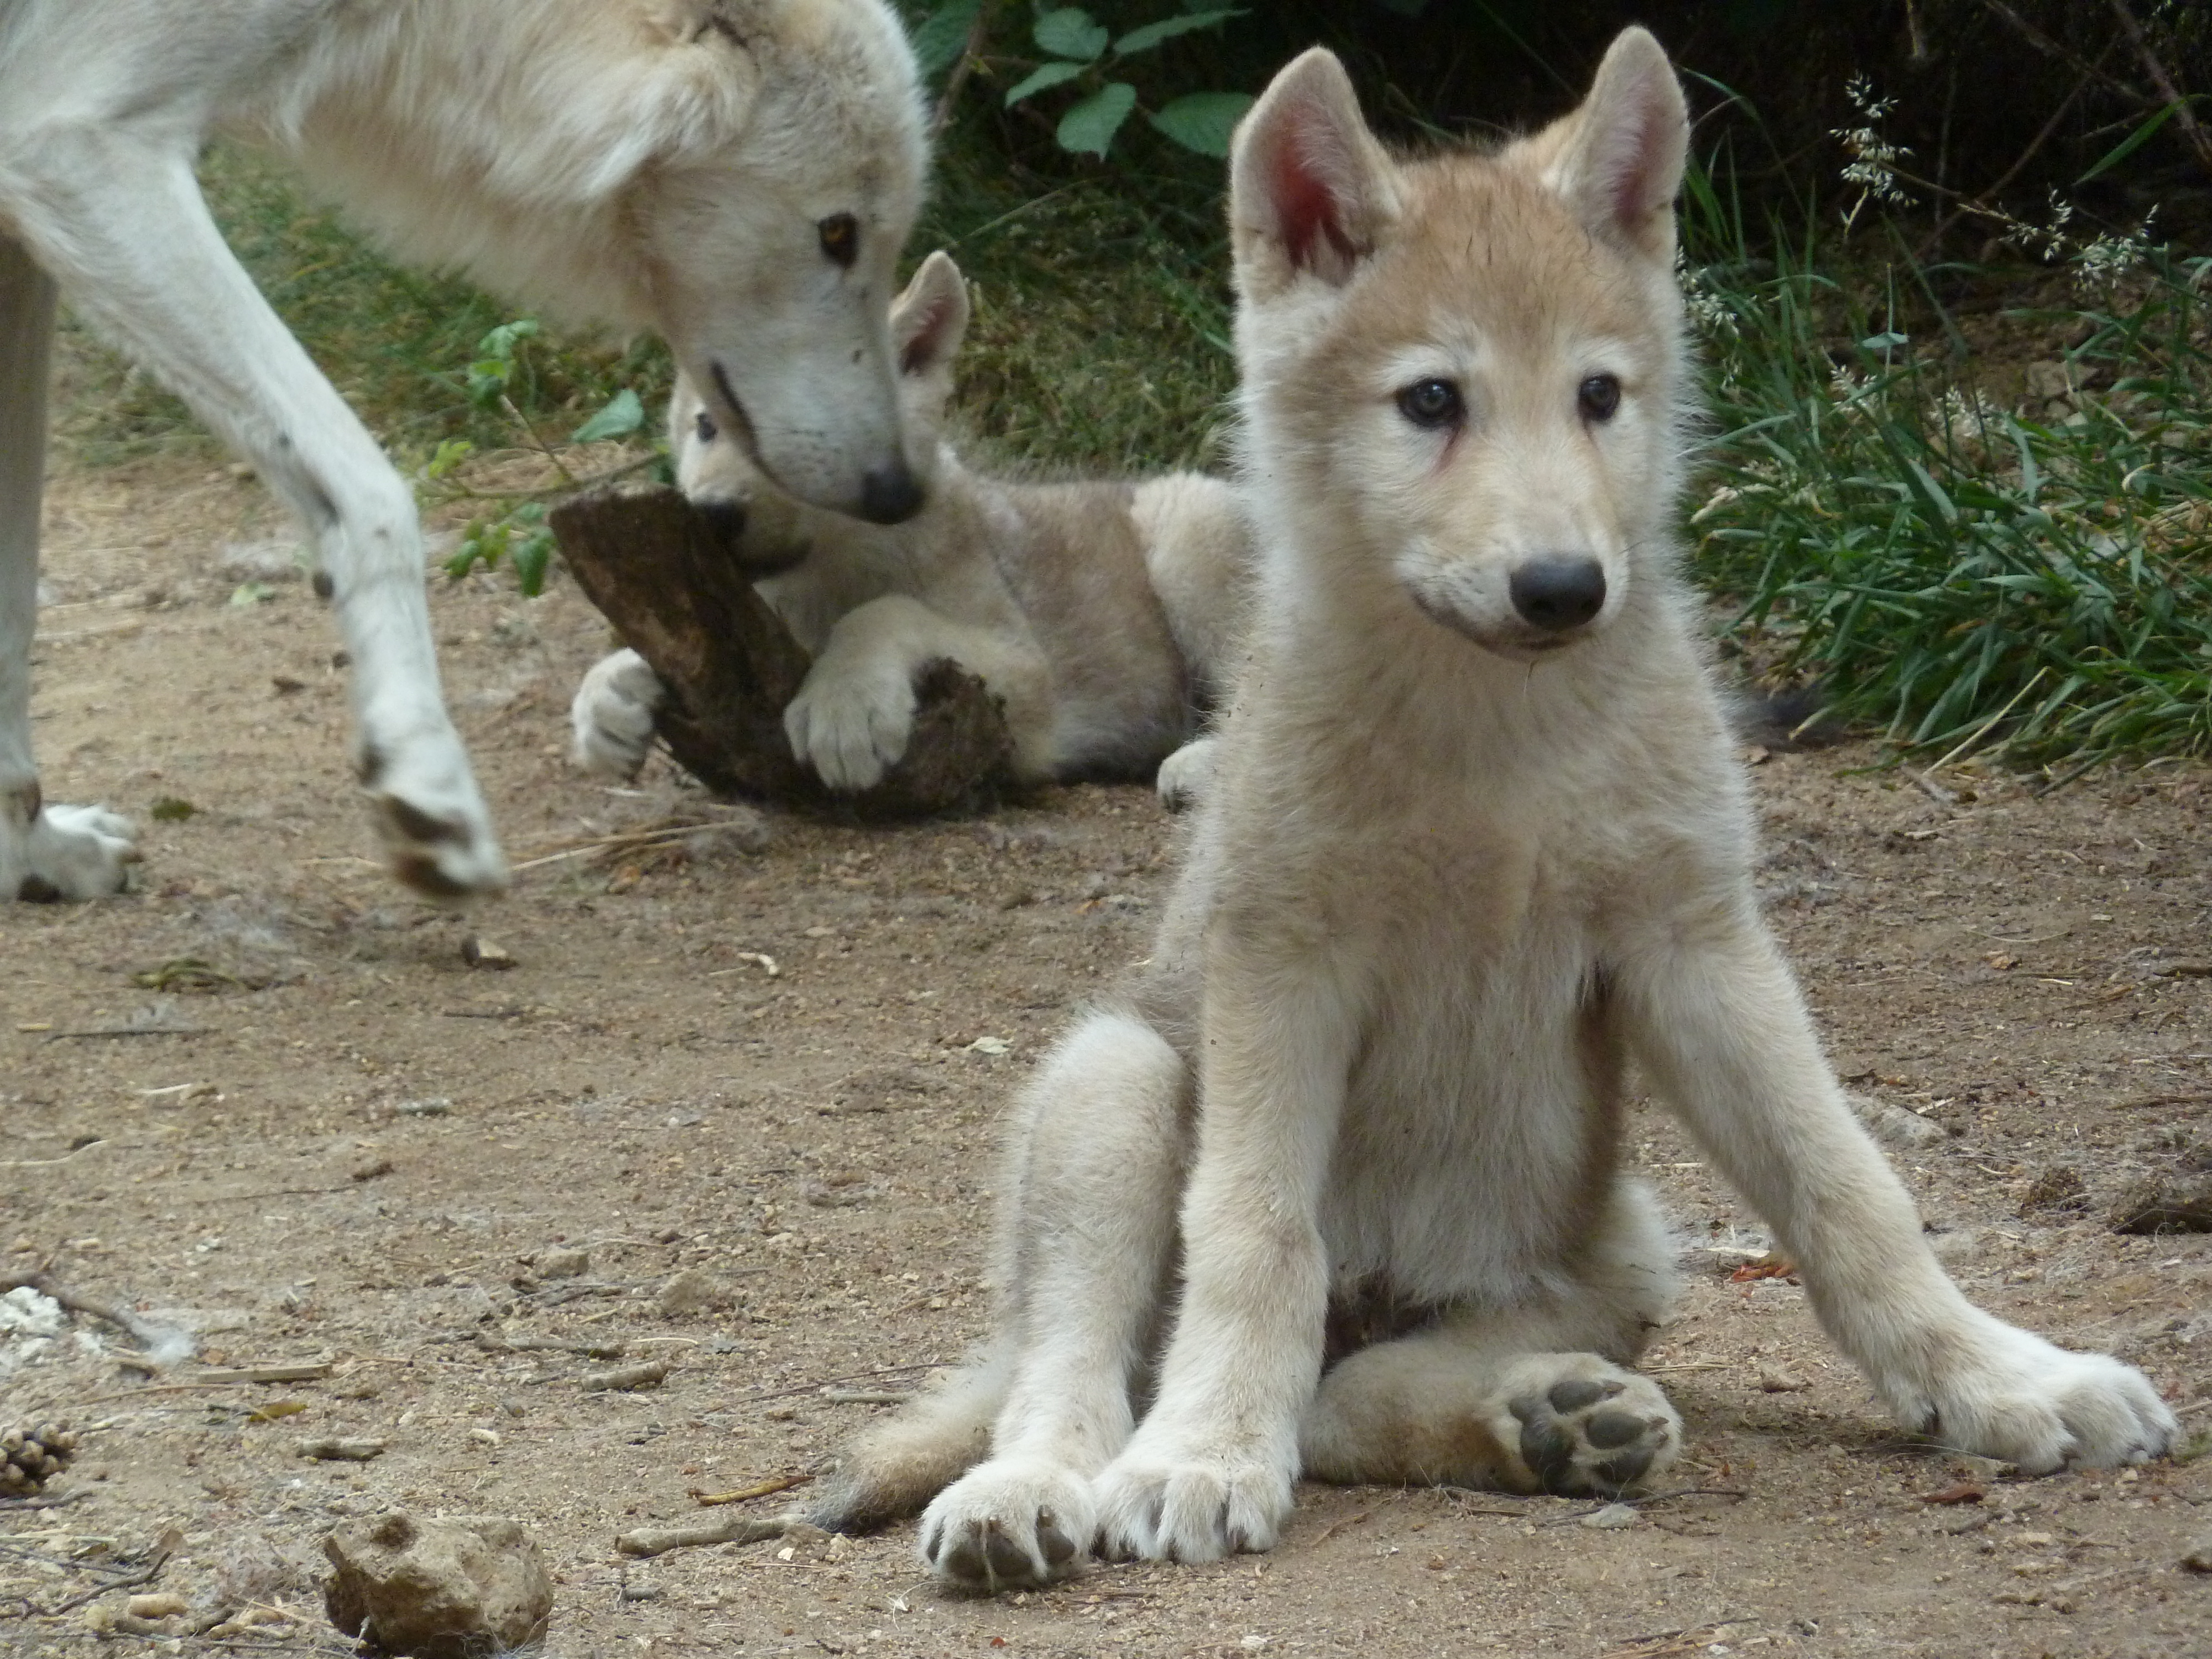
(530, 560)
(1089, 128)
(1071, 32)
(942, 36)
(1145, 38)
(2135, 140)
(1203, 120)
(624, 414)
(1045, 75)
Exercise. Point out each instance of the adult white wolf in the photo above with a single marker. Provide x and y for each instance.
(1104, 614)
(1336, 1187)
(738, 175)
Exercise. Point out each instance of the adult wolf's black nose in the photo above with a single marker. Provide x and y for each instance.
(1558, 594)
(890, 495)
(725, 518)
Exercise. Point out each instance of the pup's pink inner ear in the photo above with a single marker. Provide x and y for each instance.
(1306, 175)
(930, 319)
(1624, 166)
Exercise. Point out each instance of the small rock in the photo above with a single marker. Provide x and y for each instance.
(437, 1589)
(2059, 1187)
(1612, 1517)
(337, 1450)
(1777, 1379)
(2199, 1559)
(479, 952)
(1894, 1125)
(694, 1291)
(165, 1605)
(988, 1045)
(438, 1106)
(571, 1263)
(650, 1375)
(2164, 1206)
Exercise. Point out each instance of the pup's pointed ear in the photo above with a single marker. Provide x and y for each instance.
(1309, 189)
(929, 320)
(683, 21)
(1618, 159)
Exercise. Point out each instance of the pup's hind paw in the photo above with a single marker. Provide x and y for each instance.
(851, 726)
(437, 835)
(70, 852)
(2020, 1399)
(1008, 1524)
(611, 716)
(1586, 1426)
(1194, 1504)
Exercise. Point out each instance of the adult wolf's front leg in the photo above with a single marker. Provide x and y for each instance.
(112, 210)
(1726, 1036)
(1209, 1470)
(45, 852)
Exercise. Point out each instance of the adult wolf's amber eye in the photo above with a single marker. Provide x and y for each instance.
(706, 428)
(1431, 404)
(841, 237)
(1598, 396)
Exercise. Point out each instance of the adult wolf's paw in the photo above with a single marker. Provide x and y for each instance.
(2009, 1395)
(611, 716)
(1197, 1506)
(1008, 1524)
(68, 853)
(437, 836)
(1586, 1426)
(850, 725)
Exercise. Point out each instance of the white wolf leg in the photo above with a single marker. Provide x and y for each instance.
(854, 714)
(1530, 1399)
(1727, 1038)
(111, 210)
(611, 716)
(1209, 1470)
(1091, 1196)
(45, 852)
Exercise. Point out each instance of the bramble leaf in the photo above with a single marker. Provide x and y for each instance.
(1089, 128)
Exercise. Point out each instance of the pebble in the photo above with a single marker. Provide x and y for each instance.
(166, 1605)
(2199, 1559)
(1612, 1515)
(1775, 1379)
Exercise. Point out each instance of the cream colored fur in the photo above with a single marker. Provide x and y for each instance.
(1103, 615)
(738, 175)
(1335, 1187)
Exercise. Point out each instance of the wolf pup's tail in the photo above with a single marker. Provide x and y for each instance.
(894, 1467)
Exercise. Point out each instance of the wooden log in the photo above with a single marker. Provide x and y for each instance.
(670, 583)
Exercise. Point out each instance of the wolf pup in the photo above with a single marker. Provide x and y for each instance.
(1335, 1187)
(1102, 613)
(737, 175)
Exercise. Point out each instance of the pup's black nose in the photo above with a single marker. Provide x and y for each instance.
(1558, 593)
(890, 495)
(725, 518)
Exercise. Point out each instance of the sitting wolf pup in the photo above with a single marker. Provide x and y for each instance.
(1335, 1187)
(1101, 614)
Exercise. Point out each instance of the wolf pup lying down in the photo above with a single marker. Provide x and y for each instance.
(1335, 1187)
(737, 176)
(1102, 613)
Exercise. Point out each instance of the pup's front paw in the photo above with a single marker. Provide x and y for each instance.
(437, 833)
(1009, 1524)
(1184, 774)
(72, 853)
(2011, 1395)
(851, 726)
(1199, 1501)
(1587, 1426)
(611, 716)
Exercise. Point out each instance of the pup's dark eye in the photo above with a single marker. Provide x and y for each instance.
(1431, 404)
(841, 238)
(1598, 396)
(706, 428)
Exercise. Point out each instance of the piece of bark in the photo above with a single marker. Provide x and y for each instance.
(680, 597)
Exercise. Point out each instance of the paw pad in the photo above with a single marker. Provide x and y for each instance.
(1577, 1442)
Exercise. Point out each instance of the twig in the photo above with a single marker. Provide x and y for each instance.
(130, 1031)
(660, 836)
(132, 1580)
(817, 1388)
(67, 1498)
(1935, 791)
(2182, 116)
(729, 1529)
(760, 1489)
(970, 49)
(868, 1396)
(1736, 1493)
(1336, 1527)
(2050, 48)
(49, 1163)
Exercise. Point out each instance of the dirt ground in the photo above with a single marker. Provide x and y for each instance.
(308, 1129)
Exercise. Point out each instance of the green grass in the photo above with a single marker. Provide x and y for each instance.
(1961, 575)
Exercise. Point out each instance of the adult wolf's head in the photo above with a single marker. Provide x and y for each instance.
(764, 529)
(771, 225)
(1469, 366)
